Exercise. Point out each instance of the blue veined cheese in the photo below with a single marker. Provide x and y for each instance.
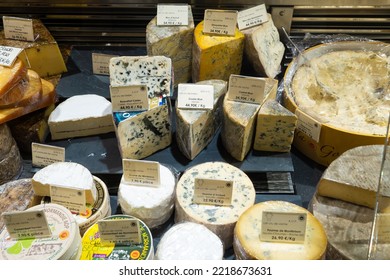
(219, 219)
(239, 122)
(264, 49)
(275, 128)
(174, 42)
(189, 241)
(196, 128)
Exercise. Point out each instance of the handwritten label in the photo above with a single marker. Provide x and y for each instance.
(246, 89)
(174, 14)
(120, 231)
(308, 125)
(100, 63)
(141, 172)
(44, 155)
(129, 98)
(283, 227)
(8, 55)
(214, 192)
(18, 28)
(252, 17)
(220, 22)
(191, 96)
(72, 198)
(26, 224)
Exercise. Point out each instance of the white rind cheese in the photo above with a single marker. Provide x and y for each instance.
(189, 241)
(153, 205)
(219, 219)
(196, 128)
(81, 115)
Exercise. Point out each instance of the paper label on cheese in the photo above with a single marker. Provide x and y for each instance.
(8, 55)
(129, 98)
(18, 28)
(141, 172)
(26, 224)
(44, 155)
(220, 22)
(283, 227)
(192, 96)
(214, 192)
(100, 63)
(252, 17)
(72, 198)
(120, 231)
(246, 89)
(308, 125)
(172, 14)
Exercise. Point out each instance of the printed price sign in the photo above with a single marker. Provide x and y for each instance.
(246, 89)
(220, 22)
(252, 17)
(129, 98)
(141, 172)
(8, 55)
(44, 155)
(100, 63)
(172, 14)
(72, 198)
(192, 96)
(308, 125)
(283, 227)
(120, 231)
(26, 224)
(214, 192)
(18, 28)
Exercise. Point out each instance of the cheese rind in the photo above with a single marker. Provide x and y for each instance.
(11, 76)
(6, 140)
(11, 165)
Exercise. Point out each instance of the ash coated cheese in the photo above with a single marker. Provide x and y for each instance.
(6, 140)
(174, 42)
(196, 128)
(153, 205)
(11, 165)
(11, 76)
(65, 174)
(248, 246)
(81, 115)
(264, 49)
(219, 219)
(215, 56)
(189, 241)
(275, 128)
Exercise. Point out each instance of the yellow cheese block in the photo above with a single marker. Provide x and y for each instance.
(10, 76)
(215, 56)
(247, 243)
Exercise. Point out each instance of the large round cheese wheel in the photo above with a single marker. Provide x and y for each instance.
(219, 219)
(11, 165)
(6, 140)
(247, 244)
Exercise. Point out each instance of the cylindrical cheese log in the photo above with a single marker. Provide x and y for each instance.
(189, 241)
(152, 204)
(219, 219)
(248, 246)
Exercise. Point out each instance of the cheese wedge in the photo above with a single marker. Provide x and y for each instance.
(10, 76)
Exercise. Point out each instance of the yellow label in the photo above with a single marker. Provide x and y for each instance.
(120, 231)
(129, 98)
(246, 89)
(100, 63)
(190, 96)
(141, 172)
(172, 14)
(71, 198)
(220, 22)
(214, 192)
(18, 28)
(44, 155)
(252, 17)
(308, 125)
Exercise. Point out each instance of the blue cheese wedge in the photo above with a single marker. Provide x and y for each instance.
(196, 128)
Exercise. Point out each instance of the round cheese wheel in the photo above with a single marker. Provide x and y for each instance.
(11, 165)
(6, 140)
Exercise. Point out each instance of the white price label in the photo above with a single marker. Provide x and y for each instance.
(18, 28)
(120, 231)
(214, 192)
(246, 89)
(252, 17)
(172, 14)
(44, 155)
(72, 198)
(308, 125)
(141, 172)
(191, 96)
(129, 98)
(8, 55)
(100, 63)
(220, 22)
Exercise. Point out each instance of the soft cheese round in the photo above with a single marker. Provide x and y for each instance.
(219, 219)
(152, 204)
(189, 241)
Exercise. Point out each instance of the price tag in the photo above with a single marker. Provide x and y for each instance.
(8, 55)
(129, 98)
(26, 224)
(308, 125)
(100, 63)
(283, 227)
(44, 155)
(214, 192)
(252, 17)
(120, 231)
(18, 28)
(246, 89)
(72, 198)
(220, 22)
(141, 172)
(191, 96)
(174, 14)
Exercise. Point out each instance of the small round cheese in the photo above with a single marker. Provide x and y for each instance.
(189, 241)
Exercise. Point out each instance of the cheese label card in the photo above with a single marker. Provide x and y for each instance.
(283, 227)
(44, 155)
(141, 172)
(72, 198)
(172, 14)
(190, 96)
(26, 224)
(100, 63)
(220, 22)
(246, 89)
(308, 125)
(129, 98)
(252, 17)
(120, 231)
(8, 55)
(214, 192)
(18, 28)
